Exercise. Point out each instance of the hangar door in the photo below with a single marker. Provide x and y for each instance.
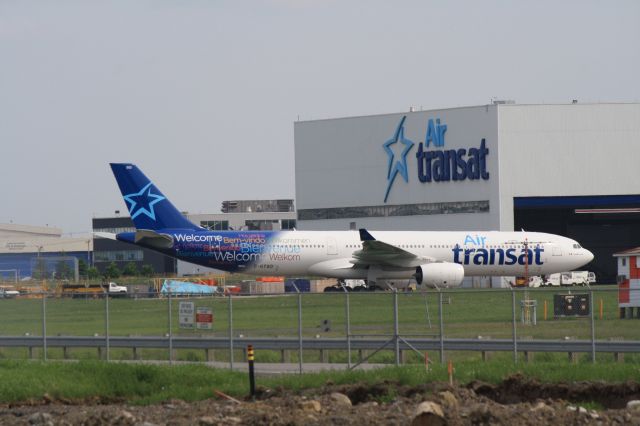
(602, 224)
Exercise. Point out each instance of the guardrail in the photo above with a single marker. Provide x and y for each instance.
(475, 345)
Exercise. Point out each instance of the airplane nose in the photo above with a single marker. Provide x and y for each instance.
(589, 255)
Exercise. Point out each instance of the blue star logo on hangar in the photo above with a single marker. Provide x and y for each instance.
(142, 202)
(397, 165)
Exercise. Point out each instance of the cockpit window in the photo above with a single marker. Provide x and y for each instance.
(576, 246)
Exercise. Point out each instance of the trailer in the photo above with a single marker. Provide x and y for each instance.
(8, 293)
(572, 278)
(92, 290)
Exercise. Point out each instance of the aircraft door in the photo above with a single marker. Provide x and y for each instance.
(556, 250)
(332, 246)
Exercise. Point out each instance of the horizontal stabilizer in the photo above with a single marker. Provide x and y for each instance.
(106, 235)
(153, 239)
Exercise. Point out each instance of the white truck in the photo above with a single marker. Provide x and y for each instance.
(117, 289)
(581, 278)
(7, 293)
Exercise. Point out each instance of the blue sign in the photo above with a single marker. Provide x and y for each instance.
(435, 164)
(397, 165)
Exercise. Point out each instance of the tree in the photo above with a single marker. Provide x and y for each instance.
(63, 271)
(146, 270)
(82, 268)
(93, 273)
(112, 271)
(130, 270)
(40, 269)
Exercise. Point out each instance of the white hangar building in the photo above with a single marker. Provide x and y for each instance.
(572, 170)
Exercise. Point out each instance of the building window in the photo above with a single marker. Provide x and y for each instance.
(624, 261)
(260, 225)
(394, 210)
(288, 224)
(215, 225)
(115, 230)
(118, 256)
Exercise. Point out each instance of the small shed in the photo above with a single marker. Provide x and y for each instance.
(629, 282)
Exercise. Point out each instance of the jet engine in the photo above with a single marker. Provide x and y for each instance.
(440, 274)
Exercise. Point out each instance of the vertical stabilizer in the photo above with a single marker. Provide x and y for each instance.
(148, 207)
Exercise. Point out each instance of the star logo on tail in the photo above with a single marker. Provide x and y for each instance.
(142, 202)
(397, 165)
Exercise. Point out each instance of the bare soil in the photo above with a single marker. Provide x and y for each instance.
(515, 401)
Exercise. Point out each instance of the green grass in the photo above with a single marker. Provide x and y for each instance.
(144, 384)
(466, 313)
(139, 383)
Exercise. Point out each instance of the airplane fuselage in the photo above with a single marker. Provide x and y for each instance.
(434, 258)
(330, 253)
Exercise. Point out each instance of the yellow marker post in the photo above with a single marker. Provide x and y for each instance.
(601, 309)
(252, 377)
(450, 371)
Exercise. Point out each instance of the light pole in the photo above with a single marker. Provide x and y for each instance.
(41, 272)
(89, 253)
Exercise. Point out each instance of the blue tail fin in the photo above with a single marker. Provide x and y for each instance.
(149, 209)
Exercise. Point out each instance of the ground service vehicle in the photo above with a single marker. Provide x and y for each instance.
(581, 278)
(93, 290)
(6, 293)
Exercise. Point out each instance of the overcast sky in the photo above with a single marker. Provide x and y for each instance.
(202, 95)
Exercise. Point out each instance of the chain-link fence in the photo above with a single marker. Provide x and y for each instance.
(348, 327)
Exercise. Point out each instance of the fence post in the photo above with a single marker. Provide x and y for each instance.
(513, 323)
(299, 327)
(170, 331)
(617, 356)
(593, 328)
(136, 355)
(528, 355)
(396, 327)
(106, 323)
(573, 356)
(441, 327)
(209, 354)
(484, 354)
(348, 324)
(44, 325)
(230, 332)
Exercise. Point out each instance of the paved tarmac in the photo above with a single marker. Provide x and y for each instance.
(292, 368)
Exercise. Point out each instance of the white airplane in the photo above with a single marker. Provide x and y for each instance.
(434, 259)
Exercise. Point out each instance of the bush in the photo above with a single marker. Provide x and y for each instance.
(146, 271)
(131, 270)
(112, 271)
(93, 273)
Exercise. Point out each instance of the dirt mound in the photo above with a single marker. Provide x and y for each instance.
(515, 401)
(518, 389)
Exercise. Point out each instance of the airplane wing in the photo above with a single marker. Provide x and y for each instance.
(376, 252)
